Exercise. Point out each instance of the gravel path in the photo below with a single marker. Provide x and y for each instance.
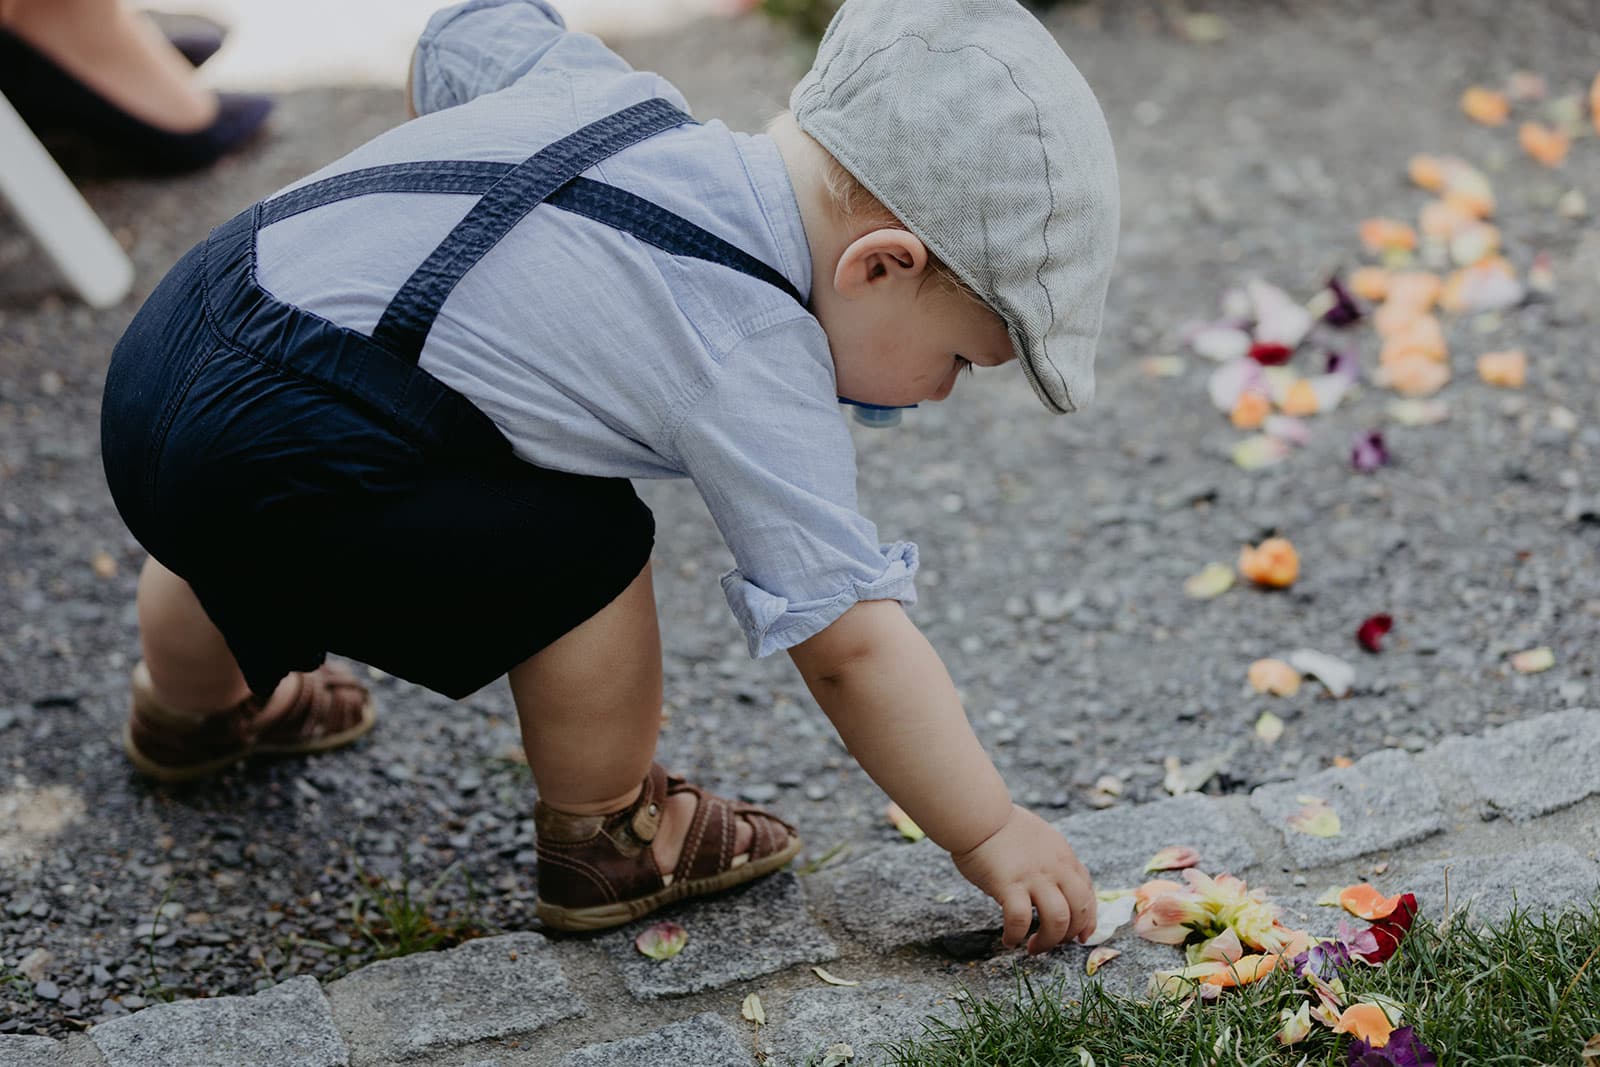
(1054, 549)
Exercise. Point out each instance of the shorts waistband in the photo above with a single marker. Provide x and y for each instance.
(347, 362)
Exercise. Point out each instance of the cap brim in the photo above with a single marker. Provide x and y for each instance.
(1055, 391)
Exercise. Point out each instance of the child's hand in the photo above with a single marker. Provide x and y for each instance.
(1027, 865)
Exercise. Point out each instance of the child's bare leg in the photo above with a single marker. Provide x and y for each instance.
(590, 705)
(189, 662)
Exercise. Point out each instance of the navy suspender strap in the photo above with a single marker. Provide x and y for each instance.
(410, 315)
(617, 208)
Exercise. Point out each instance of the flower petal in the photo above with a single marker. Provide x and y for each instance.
(1367, 451)
(751, 1009)
(1279, 320)
(1331, 671)
(1418, 412)
(1534, 660)
(1244, 970)
(1287, 429)
(902, 822)
(1232, 380)
(1213, 580)
(1509, 369)
(1173, 858)
(1367, 1022)
(831, 978)
(1296, 1025)
(1316, 818)
(1258, 451)
(662, 941)
(1270, 353)
(1545, 144)
(1365, 902)
(1388, 932)
(1269, 727)
(1371, 632)
(1273, 563)
(1109, 917)
(1273, 676)
(1485, 105)
(1220, 343)
(1099, 958)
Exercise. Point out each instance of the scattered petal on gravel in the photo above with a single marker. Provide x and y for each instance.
(1316, 818)
(902, 822)
(1509, 369)
(831, 978)
(1333, 672)
(1548, 146)
(1418, 412)
(1367, 452)
(1534, 660)
(1287, 428)
(1273, 676)
(1414, 376)
(1485, 105)
(1279, 320)
(1213, 580)
(662, 941)
(1221, 343)
(1232, 380)
(1273, 563)
(1258, 451)
(1370, 634)
(1269, 727)
(1370, 283)
(1110, 917)
(1385, 235)
(1250, 412)
(1173, 858)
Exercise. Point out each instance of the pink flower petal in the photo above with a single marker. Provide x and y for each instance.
(1174, 858)
(662, 941)
(1231, 380)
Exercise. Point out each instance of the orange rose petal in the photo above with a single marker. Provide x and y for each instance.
(1251, 411)
(1421, 336)
(1485, 105)
(1300, 399)
(1548, 146)
(1366, 1021)
(1382, 235)
(1428, 172)
(1244, 970)
(1365, 902)
(1272, 563)
(1443, 220)
(1594, 102)
(1370, 283)
(1274, 676)
(1415, 376)
(1418, 289)
(1509, 370)
(1392, 318)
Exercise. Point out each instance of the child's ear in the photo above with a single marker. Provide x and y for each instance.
(883, 255)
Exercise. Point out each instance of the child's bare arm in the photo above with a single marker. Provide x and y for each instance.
(894, 705)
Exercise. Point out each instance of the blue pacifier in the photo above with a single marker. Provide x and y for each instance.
(879, 416)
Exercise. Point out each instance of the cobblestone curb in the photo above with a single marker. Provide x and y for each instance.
(522, 999)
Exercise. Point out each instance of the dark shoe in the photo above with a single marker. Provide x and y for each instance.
(55, 104)
(331, 709)
(597, 871)
(196, 36)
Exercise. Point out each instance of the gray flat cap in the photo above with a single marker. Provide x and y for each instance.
(966, 119)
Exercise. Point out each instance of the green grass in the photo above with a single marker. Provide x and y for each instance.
(398, 920)
(1524, 993)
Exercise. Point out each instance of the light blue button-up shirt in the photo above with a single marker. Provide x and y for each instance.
(595, 353)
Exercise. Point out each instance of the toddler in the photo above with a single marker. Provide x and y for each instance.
(393, 412)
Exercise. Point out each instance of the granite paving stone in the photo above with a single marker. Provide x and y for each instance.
(1383, 801)
(864, 1017)
(1117, 843)
(706, 1040)
(908, 894)
(490, 988)
(1528, 768)
(31, 1052)
(1127, 975)
(1545, 878)
(288, 1025)
(733, 937)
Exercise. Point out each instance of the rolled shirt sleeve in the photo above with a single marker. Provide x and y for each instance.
(483, 46)
(769, 450)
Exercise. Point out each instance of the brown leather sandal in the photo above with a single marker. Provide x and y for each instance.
(331, 709)
(597, 871)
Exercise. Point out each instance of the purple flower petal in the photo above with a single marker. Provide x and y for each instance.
(1368, 453)
(1403, 1050)
(1344, 310)
(1345, 363)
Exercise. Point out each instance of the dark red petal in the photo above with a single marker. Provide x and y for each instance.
(1390, 931)
(1371, 633)
(1270, 353)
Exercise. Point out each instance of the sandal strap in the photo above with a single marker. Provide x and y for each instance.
(708, 848)
(329, 701)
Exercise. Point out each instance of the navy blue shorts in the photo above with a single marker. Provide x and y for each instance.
(321, 494)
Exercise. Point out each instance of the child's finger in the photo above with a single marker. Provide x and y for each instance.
(1055, 918)
(1018, 908)
(1085, 908)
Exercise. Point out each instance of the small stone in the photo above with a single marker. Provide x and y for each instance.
(35, 965)
(469, 781)
(759, 792)
(397, 772)
(47, 990)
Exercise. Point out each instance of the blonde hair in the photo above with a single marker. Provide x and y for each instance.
(855, 205)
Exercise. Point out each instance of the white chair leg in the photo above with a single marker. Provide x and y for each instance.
(47, 203)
